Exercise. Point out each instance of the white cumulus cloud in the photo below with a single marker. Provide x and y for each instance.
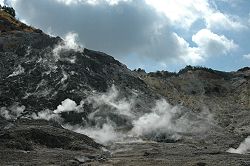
(182, 13)
(211, 44)
(247, 56)
(218, 20)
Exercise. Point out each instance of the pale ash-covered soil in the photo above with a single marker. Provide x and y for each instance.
(143, 154)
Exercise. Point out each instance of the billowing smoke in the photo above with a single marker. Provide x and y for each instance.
(243, 148)
(13, 112)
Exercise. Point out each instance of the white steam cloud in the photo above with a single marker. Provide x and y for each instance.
(69, 43)
(13, 112)
(62, 51)
(69, 105)
(171, 122)
(66, 106)
(159, 119)
(243, 148)
(120, 106)
(104, 134)
(109, 117)
(47, 115)
(168, 121)
(104, 105)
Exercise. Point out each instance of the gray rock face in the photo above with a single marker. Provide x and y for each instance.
(34, 76)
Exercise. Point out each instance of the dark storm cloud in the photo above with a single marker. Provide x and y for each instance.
(121, 29)
(145, 32)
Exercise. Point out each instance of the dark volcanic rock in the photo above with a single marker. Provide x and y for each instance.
(25, 134)
(39, 142)
(33, 76)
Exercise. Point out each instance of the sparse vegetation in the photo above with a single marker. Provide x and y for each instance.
(8, 22)
(225, 75)
(162, 74)
(182, 71)
(166, 74)
(195, 68)
(140, 70)
(244, 69)
(9, 10)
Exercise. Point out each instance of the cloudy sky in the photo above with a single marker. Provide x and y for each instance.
(151, 34)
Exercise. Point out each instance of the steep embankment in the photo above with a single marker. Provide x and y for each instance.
(225, 94)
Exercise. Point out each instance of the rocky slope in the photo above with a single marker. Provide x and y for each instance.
(225, 94)
(48, 86)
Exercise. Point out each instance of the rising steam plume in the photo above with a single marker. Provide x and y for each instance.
(243, 148)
